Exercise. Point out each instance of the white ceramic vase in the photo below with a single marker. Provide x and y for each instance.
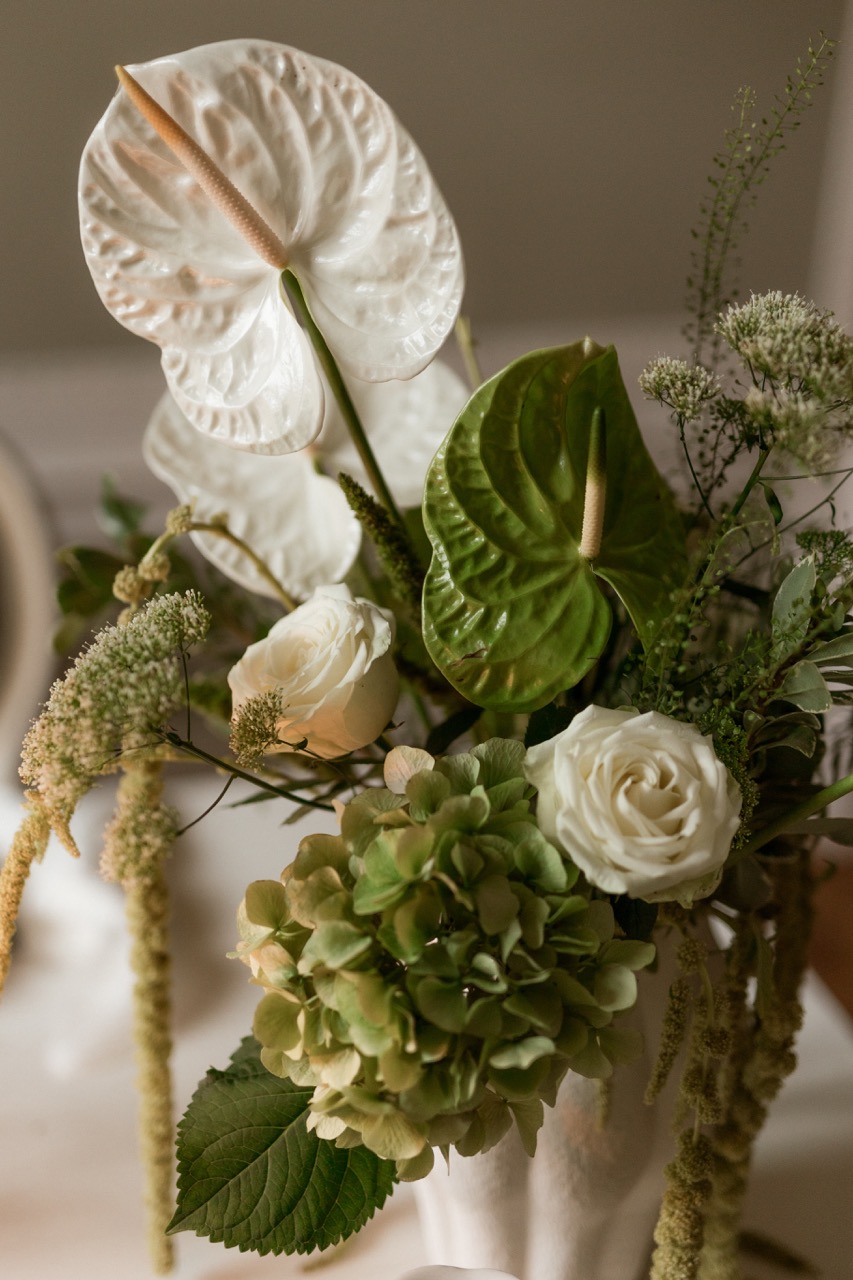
(585, 1207)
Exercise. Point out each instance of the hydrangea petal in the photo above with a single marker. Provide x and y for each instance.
(297, 521)
(332, 173)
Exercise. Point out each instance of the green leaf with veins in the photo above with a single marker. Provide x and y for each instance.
(513, 614)
(251, 1174)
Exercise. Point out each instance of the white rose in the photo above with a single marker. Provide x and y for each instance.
(640, 803)
(331, 658)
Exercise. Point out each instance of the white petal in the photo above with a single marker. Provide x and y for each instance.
(405, 421)
(297, 521)
(328, 168)
(262, 392)
(385, 307)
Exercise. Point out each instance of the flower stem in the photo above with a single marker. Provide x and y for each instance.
(799, 813)
(348, 410)
(222, 531)
(184, 744)
(696, 482)
(466, 344)
(750, 484)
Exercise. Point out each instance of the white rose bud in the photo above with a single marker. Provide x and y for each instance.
(640, 803)
(331, 659)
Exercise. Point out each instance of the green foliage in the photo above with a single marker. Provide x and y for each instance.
(390, 537)
(513, 613)
(252, 1174)
(741, 167)
(436, 969)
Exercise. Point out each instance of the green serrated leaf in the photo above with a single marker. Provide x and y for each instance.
(251, 1174)
(512, 611)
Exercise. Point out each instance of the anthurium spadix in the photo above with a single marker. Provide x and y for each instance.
(294, 516)
(235, 160)
(543, 489)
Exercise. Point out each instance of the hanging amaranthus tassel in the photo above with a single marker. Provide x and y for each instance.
(680, 1228)
(27, 847)
(137, 843)
(762, 1061)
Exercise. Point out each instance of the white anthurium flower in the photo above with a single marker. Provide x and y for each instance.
(296, 519)
(261, 157)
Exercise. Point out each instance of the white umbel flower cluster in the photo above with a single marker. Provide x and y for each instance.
(682, 387)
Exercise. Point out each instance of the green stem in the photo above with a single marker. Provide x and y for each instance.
(750, 484)
(348, 410)
(799, 813)
(222, 531)
(183, 744)
(465, 342)
(683, 438)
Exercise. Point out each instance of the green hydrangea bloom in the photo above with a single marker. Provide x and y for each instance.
(436, 969)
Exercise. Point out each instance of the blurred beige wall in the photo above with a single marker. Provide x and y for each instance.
(572, 140)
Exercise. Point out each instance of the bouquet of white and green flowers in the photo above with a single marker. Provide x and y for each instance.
(566, 717)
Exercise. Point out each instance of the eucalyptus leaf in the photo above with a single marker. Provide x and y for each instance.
(755, 526)
(838, 650)
(251, 1174)
(591, 1062)
(792, 607)
(806, 688)
(513, 613)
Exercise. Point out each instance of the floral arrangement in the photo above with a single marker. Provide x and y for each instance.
(565, 716)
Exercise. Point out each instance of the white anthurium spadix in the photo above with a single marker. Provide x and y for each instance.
(291, 514)
(230, 162)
